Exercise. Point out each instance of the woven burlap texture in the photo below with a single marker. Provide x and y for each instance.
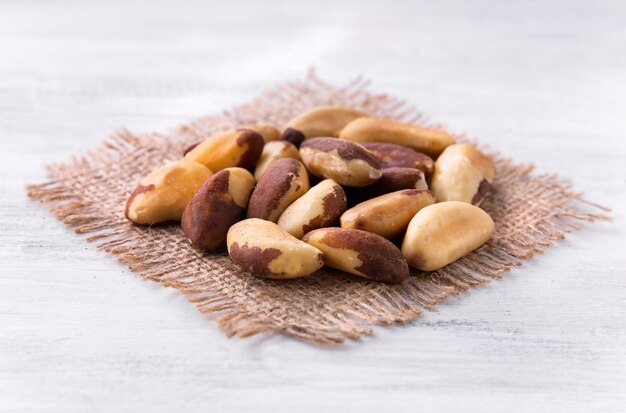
(89, 194)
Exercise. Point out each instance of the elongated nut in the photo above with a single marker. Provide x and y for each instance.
(387, 215)
(320, 207)
(267, 130)
(319, 121)
(392, 179)
(462, 173)
(266, 250)
(237, 147)
(392, 155)
(361, 253)
(272, 151)
(219, 203)
(164, 194)
(430, 141)
(284, 181)
(346, 162)
(442, 233)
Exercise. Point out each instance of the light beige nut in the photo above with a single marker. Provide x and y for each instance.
(431, 141)
(387, 215)
(164, 194)
(266, 250)
(361, 253)
(320, 207)
(462, 173)
(236, 147)
(269, 131)
(321, 121)
(392, 179)
(442, 233)
(392, 156)
(284, 181)
(219, 203)
(272, 151)
(346, 162)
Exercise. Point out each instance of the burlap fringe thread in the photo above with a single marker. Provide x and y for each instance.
(88, 194)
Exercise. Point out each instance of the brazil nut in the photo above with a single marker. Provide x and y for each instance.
(346, 162)
(284, 181)
(392, 179)
(236, 147)
(320, 207)
(360, 253)
(441, 233)
(392, 155)
(219, 203)
(387, 215)
(319, 121)
(266, 250)
(462, 173)
(272, 151)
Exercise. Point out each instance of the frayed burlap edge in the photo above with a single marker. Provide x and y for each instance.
(88, 194)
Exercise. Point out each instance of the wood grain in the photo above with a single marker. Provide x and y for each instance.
(541, 82)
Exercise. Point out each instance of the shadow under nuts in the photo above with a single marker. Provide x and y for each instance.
(430, 141)
(319, 121)
(361, 253)
(320, 207)
(387, 215)
(346, 162)
(442, 233)
(164, 194)
(237, 147)
(219, 203)
(392, 155)
(462, 173)
(284, 181)
(272, 151)
(266, 250)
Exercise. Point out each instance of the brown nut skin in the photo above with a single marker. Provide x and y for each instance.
(284, 181)
(237, 147)
(441, 233)
(392, 179)
(266, 250)
(462, 173)
(319, 121)
(387, 215)
(272, 151)
(219, 203)
(164, 194)
(320, 207)
(430, 141)
(361, 253)
(346, 162)
(392, 155)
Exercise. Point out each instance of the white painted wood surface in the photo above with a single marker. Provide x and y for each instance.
(543, 82)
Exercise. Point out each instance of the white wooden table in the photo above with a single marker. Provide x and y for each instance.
(543, 83)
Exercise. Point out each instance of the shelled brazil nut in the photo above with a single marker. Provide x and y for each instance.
(431, 141)
(163, 194)
(284, 181)
(236, 147)
(361, 253)
(391, 180)
(441, 233)
(318, 122)
(320, 207)
(346, 162)
(219, 203)
(387, 215)
(462, 173)
(266, 250)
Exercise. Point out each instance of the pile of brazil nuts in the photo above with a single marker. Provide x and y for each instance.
(336, 187)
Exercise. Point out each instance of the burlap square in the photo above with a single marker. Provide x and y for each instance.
(89, 193)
